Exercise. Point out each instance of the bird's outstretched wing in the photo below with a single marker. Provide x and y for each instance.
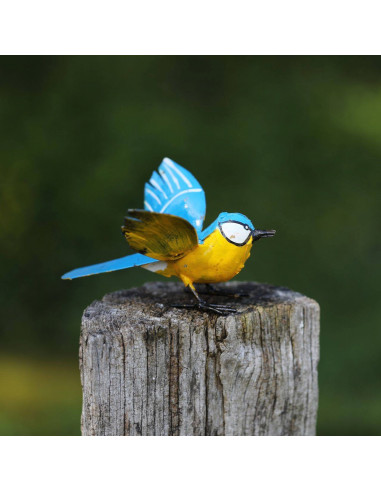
(174, 190)
(160, 236)
(109, 266)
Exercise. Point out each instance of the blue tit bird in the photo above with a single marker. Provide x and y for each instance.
(169, 238)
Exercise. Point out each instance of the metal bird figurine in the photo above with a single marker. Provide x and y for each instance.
(169, 239)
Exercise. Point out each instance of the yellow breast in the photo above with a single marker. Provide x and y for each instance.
(217, 260)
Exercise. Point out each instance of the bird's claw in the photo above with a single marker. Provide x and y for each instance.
(204, 306)
(217, 308)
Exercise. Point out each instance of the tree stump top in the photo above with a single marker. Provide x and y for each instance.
(154, 299)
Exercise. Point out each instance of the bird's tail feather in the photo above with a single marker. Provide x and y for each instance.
(110, 266)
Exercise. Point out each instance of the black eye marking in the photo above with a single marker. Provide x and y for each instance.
(247, 227)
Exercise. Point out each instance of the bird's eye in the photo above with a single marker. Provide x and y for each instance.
(235, 232)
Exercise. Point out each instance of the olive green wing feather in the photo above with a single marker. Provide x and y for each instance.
(160, 236)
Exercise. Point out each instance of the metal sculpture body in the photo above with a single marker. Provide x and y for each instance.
(169, 239)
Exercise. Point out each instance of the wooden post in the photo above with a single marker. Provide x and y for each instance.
(151, 369)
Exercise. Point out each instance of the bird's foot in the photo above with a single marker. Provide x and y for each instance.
(204, 306)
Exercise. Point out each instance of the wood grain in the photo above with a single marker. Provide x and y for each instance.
(150, 369)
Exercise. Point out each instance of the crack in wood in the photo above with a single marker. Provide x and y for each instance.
(149, 369)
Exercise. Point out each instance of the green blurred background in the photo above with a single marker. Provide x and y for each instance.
(292, 142)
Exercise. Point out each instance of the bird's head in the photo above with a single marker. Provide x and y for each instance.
(238, 229)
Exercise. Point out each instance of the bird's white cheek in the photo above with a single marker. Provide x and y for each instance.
(235, 232)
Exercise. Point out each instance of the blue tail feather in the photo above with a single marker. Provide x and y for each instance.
(110, 266)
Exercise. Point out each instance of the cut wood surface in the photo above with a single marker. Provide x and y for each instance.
(151, 369)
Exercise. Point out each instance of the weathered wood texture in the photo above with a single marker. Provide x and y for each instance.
(150, 369)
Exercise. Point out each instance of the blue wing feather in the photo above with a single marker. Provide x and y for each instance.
(110, 266)
(175, 191)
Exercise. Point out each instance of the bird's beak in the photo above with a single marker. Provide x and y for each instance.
(257, 234)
